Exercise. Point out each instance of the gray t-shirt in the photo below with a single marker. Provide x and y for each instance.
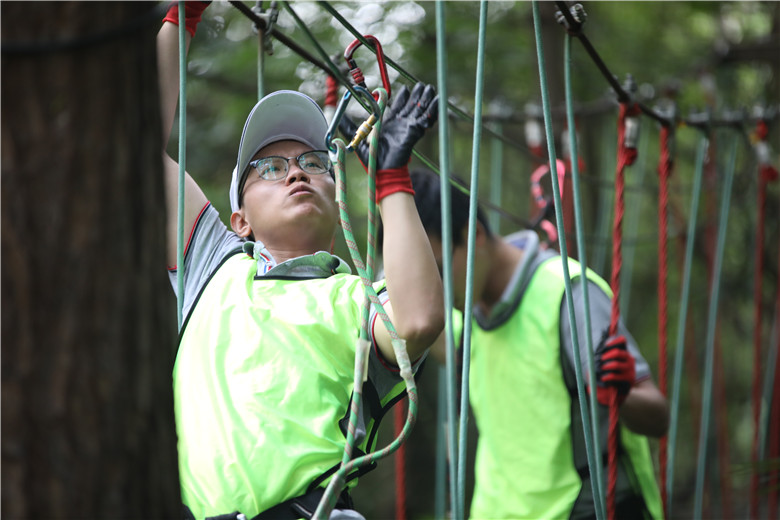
(600, 306)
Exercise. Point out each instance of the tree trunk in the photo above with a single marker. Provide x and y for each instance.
(88, 321)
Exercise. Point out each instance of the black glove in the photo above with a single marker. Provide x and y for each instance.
(403, 124)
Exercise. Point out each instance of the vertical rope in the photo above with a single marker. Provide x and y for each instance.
(446, 241)
(590, 417)
(467, 305)
(182, 165)
(684, 297)
(400, 464)
(711, 327)
(665, 164)
(766, 174)
(626, 157)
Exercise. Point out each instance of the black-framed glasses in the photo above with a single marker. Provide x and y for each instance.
(275, 168)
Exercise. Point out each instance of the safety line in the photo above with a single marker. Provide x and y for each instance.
(182, 166)
(470, 260)
(711, 327)
(446, 240)
(559, 221)
(683, 313)
(588, 410)
(399, 346)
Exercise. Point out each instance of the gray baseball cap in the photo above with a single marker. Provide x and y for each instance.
(279, 116)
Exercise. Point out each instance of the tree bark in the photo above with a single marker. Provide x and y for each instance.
(88, 321)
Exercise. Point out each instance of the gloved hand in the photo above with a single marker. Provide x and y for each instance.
(615, 368)
(192, 14)
(403, 124)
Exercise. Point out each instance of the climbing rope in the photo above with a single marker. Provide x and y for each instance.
(588, 411)
(589, 441)
(665, 165)
(711, 327)
(446, 241)
(472, 232)
(766, 174)
(337, 149)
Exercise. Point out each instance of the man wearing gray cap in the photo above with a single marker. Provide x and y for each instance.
(264, 372)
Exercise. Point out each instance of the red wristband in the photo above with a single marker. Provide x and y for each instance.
(392, 181)
(192, 14)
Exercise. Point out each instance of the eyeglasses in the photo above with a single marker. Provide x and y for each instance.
(274, 168)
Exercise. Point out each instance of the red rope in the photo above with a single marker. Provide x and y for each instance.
(766, 174)
(626, 156)
(665, 164)
(399, 417)
(774, 427)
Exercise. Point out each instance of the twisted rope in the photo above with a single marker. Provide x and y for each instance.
(665, 164)
(399, 345)
(626, 157)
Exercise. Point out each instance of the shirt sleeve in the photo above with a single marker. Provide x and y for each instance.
(210, 242)
(600, 314)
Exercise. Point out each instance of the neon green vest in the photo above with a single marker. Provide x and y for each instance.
(263, 375)
(524, 463)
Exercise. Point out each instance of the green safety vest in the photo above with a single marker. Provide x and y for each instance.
(524, 464)
(263, 376)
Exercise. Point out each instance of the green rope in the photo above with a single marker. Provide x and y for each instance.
(399, 345)
(684, 297)
(441, 446)
(473, 201)
(711, 329)
(590, 418)
(446, 246)
(182, 166)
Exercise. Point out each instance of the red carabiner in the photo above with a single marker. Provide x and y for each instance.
(357, 74)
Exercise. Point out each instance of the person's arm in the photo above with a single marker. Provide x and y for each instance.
(645, 410)
(168, 71)
(416, 306)
(643, 407)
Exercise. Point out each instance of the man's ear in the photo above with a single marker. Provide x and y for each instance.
(239, 224)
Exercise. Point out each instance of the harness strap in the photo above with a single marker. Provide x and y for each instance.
(299, 507)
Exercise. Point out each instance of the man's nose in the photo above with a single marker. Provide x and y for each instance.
(295, 172)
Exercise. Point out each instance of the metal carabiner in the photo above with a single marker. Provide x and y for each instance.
(364, 129)
(357, 74)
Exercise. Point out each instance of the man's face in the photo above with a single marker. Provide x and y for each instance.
(275, 208)
(458, 269)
